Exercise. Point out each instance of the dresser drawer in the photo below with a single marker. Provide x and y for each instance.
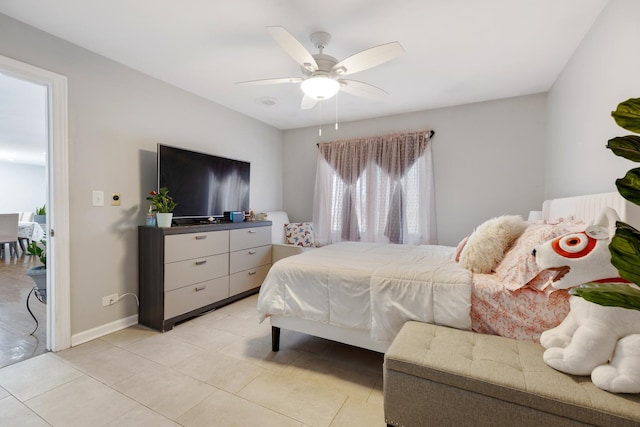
(191, 297)
(179, 247)
(248, 279)
(245, 238)
(182, 273)
(249, 258)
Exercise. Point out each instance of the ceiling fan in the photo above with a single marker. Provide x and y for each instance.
(322, 74)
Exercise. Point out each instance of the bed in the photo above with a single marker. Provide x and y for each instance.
(362, 293)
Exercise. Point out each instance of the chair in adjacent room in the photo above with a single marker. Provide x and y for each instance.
(23, 227)
(26, 217)
(9, 233)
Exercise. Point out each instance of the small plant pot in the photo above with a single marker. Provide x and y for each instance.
(39, 276)
(164, 219)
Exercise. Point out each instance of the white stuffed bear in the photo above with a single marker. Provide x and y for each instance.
(592, 339)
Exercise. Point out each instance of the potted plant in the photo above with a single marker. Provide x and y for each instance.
(163, 205)
(39, 273)
(625, 244)
(40, 215)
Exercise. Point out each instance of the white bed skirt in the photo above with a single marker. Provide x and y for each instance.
(356, 337)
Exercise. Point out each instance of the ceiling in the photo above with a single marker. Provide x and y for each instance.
(456, 51)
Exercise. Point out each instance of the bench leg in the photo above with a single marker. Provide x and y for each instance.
(275, 338)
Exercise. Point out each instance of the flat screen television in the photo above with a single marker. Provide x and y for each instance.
(203, 185)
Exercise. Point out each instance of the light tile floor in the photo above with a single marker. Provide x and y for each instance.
(215, 370)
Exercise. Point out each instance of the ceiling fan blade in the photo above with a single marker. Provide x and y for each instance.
(368, 58)
(271, 81)
(364, 90)
(307, 103)
(293, 47)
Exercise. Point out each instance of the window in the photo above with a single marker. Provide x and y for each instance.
(376, 189)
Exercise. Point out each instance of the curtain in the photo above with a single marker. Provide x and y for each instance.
(377, 189)
(348, 163)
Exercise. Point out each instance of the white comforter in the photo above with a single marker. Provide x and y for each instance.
(370, 286)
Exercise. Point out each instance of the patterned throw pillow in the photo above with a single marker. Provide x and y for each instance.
(299, 234)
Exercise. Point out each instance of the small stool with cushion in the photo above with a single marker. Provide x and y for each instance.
(439, 376)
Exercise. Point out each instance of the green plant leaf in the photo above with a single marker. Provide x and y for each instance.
(609, 294)
(627, 115)
(626, 146)
(39, 250)
(629, 186)
(625, 252)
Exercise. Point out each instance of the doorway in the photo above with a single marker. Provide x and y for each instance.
(58, 310)
(23, 185)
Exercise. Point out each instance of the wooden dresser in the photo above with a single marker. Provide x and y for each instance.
(188, 270)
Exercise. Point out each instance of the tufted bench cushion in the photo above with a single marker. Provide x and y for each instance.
(434, 375)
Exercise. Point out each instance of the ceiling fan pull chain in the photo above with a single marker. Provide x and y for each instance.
(336, 111)
(320, 124)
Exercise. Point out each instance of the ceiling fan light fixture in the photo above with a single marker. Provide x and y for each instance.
(320, 87)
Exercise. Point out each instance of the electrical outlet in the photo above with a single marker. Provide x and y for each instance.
(109, 300)
(115, 199)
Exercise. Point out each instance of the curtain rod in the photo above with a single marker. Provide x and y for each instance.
(431, 133)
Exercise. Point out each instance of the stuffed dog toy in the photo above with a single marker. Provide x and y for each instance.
(592, 339)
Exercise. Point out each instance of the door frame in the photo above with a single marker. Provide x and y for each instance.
(57, 170)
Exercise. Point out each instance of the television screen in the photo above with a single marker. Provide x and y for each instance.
(203, 185)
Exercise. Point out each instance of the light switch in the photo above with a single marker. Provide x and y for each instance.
(97, 198)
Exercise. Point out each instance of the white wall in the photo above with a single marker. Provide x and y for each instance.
(604, 71)
(116, 118)
(488, 160)
(23, 187)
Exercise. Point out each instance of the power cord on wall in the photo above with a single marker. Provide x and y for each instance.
(132, 294)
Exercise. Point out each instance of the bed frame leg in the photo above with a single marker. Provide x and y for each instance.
(275, 338)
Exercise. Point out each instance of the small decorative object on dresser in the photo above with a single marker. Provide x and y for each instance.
(163, 205)
(164, 219)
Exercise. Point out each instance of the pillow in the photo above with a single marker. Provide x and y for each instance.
(487, 244)
(460, 247)
(518, 266)
(299, 234)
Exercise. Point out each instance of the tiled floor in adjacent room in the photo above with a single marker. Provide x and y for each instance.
(216, 370)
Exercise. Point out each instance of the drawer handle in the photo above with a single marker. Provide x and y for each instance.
(201, 237)
(251, 231)
(200, 288)
(204, 261)
(252, 252)
(251, 273)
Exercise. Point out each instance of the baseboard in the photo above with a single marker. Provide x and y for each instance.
(103, 330)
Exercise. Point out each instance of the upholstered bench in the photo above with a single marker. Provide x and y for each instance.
(438, 376)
